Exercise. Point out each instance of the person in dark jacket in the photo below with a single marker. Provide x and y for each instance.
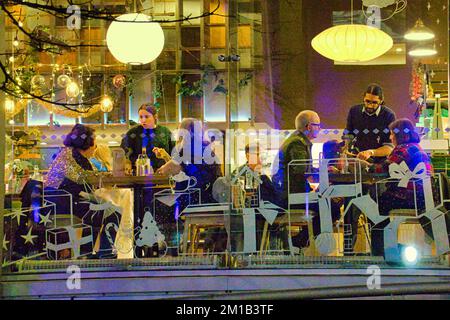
(298, 147)
(150, 135)
(194, 157)
(407, 149)
(368, 126)
(367, 131)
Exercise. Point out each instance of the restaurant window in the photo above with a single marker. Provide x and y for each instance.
(142, 93)
(239, 227)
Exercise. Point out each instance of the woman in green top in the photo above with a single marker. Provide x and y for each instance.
(155, 138)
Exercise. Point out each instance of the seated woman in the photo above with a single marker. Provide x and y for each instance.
(189, 156)
(102, 158)
(69, 171)
(407, 149)
(193, 156)
(333, 149)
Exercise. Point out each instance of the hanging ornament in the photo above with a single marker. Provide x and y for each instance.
(38, 84)
(72, 89)
(38, 81)
(63, 80)
(106, 104)
(119, 81)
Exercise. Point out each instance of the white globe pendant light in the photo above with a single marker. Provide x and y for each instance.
(136, 41)
(352, 43)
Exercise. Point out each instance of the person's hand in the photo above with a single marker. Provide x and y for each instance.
(170, 168)
(161, 153)
(365, 164)
(364, 155)
(256, 167)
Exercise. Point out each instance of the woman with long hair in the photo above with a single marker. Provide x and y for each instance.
(156, 139)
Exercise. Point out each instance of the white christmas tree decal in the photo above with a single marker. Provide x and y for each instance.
(148, 234)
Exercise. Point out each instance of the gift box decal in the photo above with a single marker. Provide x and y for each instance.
(69, 242)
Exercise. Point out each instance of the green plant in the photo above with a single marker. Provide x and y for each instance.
(196, 88)
(245, 80)
(186, 89)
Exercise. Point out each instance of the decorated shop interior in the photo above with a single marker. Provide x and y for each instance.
(173, 135)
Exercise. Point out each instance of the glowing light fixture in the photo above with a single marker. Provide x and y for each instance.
(106, 104)
(419, 32)
(9, 106)
(352, 43)
(410, 255)
(423, 51)
(72, 89)
(135, 41)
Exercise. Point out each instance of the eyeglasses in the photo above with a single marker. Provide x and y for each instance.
(374, 103)
(315, 124)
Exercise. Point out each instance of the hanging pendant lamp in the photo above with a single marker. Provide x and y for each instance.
(424, 50)
(352, 42)
(132, 40)
(419, 32)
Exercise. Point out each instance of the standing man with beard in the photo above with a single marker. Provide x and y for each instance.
(368, 126)
(368, 130)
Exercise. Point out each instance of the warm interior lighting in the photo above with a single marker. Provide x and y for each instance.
(135, 42)
(9, 106)
(106, 105)
(72, 89)
(419, 32)
(423, 51)
(352, 43)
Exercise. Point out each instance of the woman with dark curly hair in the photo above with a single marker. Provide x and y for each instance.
(407, 149)
(71, 166)
(69, 171)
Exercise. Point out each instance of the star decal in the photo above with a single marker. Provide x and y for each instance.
(29, 237)
(17, 214)
(45, 219)
(5, 242)
(432, 74)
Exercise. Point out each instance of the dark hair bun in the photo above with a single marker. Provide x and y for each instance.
(80, 137)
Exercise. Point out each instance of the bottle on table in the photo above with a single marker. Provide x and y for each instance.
(143, 164)
(36, 174)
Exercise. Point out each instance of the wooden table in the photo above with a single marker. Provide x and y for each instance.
(137, 183)
(364, 178)
(127, 181)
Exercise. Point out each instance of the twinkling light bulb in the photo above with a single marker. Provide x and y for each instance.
(72, 90)
(106, 104)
